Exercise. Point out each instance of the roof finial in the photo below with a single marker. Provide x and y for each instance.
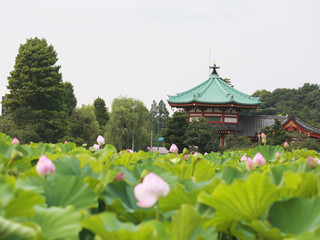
(214, 67)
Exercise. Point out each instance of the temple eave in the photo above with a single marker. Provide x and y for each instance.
(230, 104)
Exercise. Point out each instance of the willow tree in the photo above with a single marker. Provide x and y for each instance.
(128, 126)
(36, 98)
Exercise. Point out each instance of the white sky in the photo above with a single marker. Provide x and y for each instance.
(149, 49)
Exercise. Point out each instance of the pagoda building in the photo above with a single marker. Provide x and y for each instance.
(215, 101)
(221, 105)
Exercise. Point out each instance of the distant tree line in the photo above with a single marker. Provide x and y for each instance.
(304, 102)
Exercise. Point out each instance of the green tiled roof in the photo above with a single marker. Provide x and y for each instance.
(213, 91)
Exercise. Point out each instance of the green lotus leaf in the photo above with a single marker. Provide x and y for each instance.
(229, 174)
(184, 222)
(67, 147)
(123, 191)
(302, 184)
(243, 200)
(29, 200)
(32, 183)
(107, 226)
(7, 185)
(276, 172)
(268, 152)
(4, 138)
(68, 165)
(62, 190)
(87, 159)
(58, 223)
(176, 198)
(264, 230)
(11, 230)
(296, 216)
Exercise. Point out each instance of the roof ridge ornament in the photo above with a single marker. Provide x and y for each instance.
(214, 68)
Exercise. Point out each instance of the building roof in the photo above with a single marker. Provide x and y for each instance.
(213, 91)
(251, 125)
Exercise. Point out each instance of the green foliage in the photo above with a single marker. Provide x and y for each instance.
(128, 126)
(159, 115)
(238, 142)
(101, 112)
(276, 135)
(304, 102)
(84, 126)
(36, 93)
(211, 196)
(175, 130)
(203, 135)
(70, 99)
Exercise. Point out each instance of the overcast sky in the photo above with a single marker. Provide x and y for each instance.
(149, 49)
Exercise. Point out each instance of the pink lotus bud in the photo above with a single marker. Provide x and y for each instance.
(96, 146)
(263, 136)
(65, 142)
(294, 158)
(264, 141)
(312, 163)
(186, 157)
(195, 154)
(278, 155)
(119, 177)
(244, 158)
(174, 148)
(286, 144)
(45, 166)
(259, 160)
(129, 150)
(152, 188)
(317, 160)
(250, 166)
(15, 141)
(205, 153)
(100, 140)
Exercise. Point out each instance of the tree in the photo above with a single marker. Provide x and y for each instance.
(238, 142)
(37, 97)
(175, 130)
(276, 135)
(84, 127)
(101, 112)
(203, 135)
(159, 115)
(128, 126)
(70, 98)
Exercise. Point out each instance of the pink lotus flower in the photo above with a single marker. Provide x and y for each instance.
(15, 141)
(45, 166)
(278, 155)
(263, 136)
(65, 142)
(244, 158)
(286, 144)
(129, 150)
(96, 146)
(174, 148)
(264, 141)
(100, 140)
(250, 166)
(152, 188)
(258, 160)
(119, 177)
(312, 163)
(317, 160)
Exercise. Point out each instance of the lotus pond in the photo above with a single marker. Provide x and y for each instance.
(92, 194)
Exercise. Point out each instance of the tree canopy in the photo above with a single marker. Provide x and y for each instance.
(36, 98)
(159, 115)
(175, 130)
(128, 126)
(304, 102)
(101, 112)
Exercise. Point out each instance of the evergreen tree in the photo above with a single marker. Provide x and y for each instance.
(159, 115)
(175, 130)
(70, 98)
(101, 112)
(37, 97)
(276, 135)
(203, 135)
